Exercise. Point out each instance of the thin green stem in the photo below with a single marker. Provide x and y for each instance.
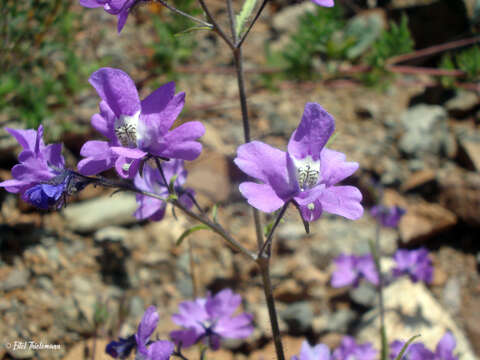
(264, 264)
(383, 332)
(231, 20)
(216, 26)
(188, 16)
(266, 248)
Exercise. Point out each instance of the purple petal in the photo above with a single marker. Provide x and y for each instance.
(317, 352)
(261, 196)
(26, 138)
(345, 273)
(343, 201)
(91, 3)
(445, 347)
(127, 168)
(161, 350)
(334, 168)
(265, 163)
(104, 122)
(117, 89)
(53, 155)
(180, 142)
(147, 326)
(238, 327)
(312, 211)
(223, 303)
(324, 3)
(315, 128)
(150, 208)
(186, 337)
(122, 19)
(366, 266)
(191, 314)
(128, 152)
(161, 108)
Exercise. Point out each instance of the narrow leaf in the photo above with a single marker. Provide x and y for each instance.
(191, 29)
(404, 348)
(214, 213)
(190, 231)
(247, 9)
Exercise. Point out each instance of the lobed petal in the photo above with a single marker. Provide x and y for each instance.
(150, 208)
(334, 168)
(91, 3)
(147, 326)
(324, 3)
(313, 132)
(117, 89)
(223, 303)
(160, 350)
(261, 196)
(237, 327)
(343, 201)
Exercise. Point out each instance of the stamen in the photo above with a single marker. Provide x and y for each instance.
(126, 130)
(308, 172)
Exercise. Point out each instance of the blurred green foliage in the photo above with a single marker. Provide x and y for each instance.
(174, 44)
(397, 40)
(467, 60)
(41, 70)
(314, 39)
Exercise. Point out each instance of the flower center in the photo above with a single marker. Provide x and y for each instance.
(126, 130)
(308, 172)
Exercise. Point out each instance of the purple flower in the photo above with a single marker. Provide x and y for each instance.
(211, 319)
(387, 216)
(41, 177)
(306, 173)
(136, 128)
(317, 352)
(152, 181)
(414, 263)
(445, 347)
(120, 8)
(121, 348)
(325, 3)
(157, 350)
(349, 349)
(415, 351)
(350, 269)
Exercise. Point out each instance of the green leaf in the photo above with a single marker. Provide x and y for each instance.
(404, 348)
(190, 231)
(214, 213)
(247, 9)
(193, 28)
(171, 186)
(332, 139)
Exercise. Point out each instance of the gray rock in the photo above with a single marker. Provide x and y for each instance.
(354, 239)
(111, 233)
(366, 28)
(298, 316)
(365, 294)
(462, 103)
(17, 278)
(426, 131)
(91, 215)
(452, 296)
(339, 321)
(412, 310)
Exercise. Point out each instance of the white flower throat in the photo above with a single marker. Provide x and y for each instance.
(308, 172)
(126, 130)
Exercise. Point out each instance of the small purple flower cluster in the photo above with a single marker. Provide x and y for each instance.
(417, 351)
(205, 320)
(349, 349)
(139, 132)
(122, 8)
(350, 269)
